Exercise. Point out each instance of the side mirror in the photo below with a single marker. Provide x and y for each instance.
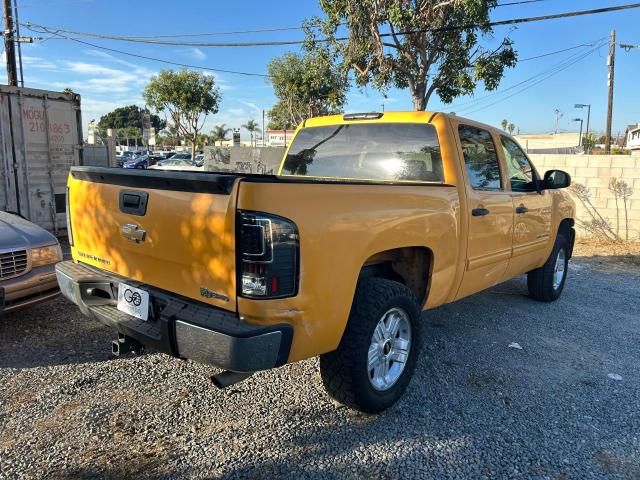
(555, 179)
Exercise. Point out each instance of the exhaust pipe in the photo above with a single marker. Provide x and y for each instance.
(228, 378)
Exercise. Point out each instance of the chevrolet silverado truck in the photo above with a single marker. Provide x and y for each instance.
(371, 219)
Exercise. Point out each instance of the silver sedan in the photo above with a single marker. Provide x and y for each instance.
(28, 255)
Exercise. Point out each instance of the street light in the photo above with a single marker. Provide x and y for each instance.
(583, 105)
(580, 137)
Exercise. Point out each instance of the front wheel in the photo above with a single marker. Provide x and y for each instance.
(376, 358)
(547, 282)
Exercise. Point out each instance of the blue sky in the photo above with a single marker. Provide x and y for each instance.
(107, 80)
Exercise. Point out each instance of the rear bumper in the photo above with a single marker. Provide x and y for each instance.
(176, 325)
(39, 285)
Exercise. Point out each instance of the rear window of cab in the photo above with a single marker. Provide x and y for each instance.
(374, 151)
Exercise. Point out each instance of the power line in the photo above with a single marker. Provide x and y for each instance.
(471, 110)
(154, 59)
(199, 67)
(169, 62)
(513, 21)
(259, 30)
(556, 52)
(518, 3)
(476, 101)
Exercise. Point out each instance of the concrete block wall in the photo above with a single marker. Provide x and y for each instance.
(595, 172)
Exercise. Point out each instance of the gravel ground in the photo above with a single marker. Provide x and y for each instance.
(477, 408)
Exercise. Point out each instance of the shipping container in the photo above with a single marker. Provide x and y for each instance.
(40, 139)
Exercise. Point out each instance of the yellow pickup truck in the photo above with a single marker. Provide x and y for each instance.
(371, 219)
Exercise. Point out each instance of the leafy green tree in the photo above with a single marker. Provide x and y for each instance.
(252, 127)
(187, 97)
(126, 117)
(589, 142)
(505, 124)
(279, 118)
(442, 55)
(306, 85)
(219, 133)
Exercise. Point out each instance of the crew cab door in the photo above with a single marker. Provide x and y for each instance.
(489, 211)
(532, 210)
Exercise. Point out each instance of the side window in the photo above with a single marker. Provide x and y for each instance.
(521, 173)
(480, 158)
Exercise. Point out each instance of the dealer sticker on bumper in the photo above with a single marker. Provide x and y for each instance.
(133, 301)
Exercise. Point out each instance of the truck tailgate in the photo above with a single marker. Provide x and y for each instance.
(171, 230)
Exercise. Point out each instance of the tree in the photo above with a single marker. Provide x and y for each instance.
(441, 55)
(505, 124)
(219, 133)
(129, 133)
(306, 85)
(510, 128)
(252, 127)
(589, 142)
(187, 97)
(128, 117)
(279, 118)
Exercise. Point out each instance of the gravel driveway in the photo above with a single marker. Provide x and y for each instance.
(476, 408)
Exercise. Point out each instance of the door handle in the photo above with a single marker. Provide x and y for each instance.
(480, 212)
(522, 209)
(133, 202)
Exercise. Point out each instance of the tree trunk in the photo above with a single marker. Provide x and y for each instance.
(418, 93)
(193, 149)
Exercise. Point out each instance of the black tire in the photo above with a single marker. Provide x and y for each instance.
(345, 372)
(541, 280)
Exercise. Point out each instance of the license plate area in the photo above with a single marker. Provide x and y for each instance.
(133, 301)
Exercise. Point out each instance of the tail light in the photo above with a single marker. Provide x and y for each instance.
(267, 256)
(68, 215)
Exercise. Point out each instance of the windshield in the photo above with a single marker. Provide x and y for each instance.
(381, 151)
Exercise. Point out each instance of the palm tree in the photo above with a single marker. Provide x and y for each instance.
(505, 124)
(219, 133)
(510, 128)
(252, 127)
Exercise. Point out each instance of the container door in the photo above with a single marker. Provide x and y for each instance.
(50, 140)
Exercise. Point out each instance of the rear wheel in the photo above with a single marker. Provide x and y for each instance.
(376, 358)
(547, 282)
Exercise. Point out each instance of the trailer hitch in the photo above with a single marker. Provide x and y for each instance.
(126, 344)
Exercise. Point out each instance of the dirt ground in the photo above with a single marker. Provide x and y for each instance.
(609, 256)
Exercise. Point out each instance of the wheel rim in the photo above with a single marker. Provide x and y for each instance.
(559, 269)
(389, 349)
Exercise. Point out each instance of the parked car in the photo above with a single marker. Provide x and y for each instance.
(373, 218)
(181, 156)
(28, 255)
(173, 164)
(141, 161)
(122, 157)
(155, 157)
(199, 160)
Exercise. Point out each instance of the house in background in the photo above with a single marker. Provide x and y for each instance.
(632, 138)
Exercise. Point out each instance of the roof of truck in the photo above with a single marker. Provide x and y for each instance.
(376, 117)
(389, 117)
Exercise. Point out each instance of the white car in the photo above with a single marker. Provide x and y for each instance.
(176, 164)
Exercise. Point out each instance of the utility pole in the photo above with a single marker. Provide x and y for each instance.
(10, 45)
(558, 115)
(19, 40)
(611, 61)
